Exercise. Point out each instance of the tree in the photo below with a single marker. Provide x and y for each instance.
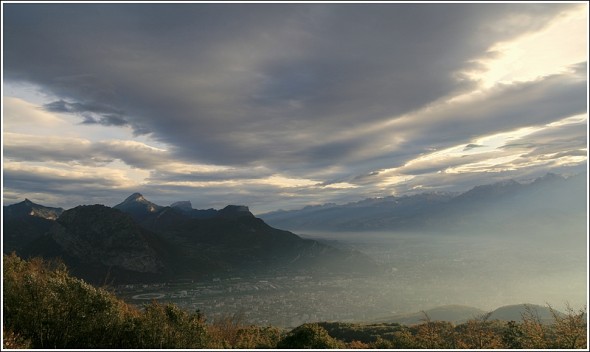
(512, 335)
(44, 307)
(434, 334)
(257, 337)
(534, 332)
(479, 333)
(167, 326)
(357, 345)
(230, 332)
(570, 329)
(51, 309)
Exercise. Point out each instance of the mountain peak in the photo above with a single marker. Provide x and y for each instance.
(182, 205)
(549, 177)
(28, 208)
(235, 211)
(137, 203)
(135, 197)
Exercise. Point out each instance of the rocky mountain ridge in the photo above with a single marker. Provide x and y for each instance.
(138, 240)
(28, 208)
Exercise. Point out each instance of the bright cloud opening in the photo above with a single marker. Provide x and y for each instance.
(563, 43)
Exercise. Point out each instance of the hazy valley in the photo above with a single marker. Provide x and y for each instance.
(492, 246)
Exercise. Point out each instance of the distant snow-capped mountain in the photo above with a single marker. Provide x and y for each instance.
(499, 207)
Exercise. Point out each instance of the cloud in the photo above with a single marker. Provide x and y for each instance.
(27, 178)
(25, 147)
(91, 113)
(208, 88)
(20, 115)
(226, 174)
(335, 94)
(472, 146)
(502, 109)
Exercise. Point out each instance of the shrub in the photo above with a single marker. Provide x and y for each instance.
(166, 326)
(257, 337)
(47, 308)
(434, 335)
(570, 329)
(480, 333)
(14, 341)
(53, 310)
(309, 336)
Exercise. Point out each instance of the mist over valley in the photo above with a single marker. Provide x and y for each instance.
(251, 175)
(492, 246)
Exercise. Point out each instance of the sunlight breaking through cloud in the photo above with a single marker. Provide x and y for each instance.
(549, 51)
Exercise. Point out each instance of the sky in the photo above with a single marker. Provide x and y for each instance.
(278, 106)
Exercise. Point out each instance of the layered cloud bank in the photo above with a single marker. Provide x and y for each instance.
(281, 105)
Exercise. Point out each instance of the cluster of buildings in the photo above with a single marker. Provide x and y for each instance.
(286, 301)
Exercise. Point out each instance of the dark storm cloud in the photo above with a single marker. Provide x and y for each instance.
(91, 113)
(57, 106)
(80, 108)
(108, 120)
(255, 83)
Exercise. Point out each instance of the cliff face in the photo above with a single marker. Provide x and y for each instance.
(100, 235)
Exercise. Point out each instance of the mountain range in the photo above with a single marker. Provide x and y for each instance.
(548, 203)
(458, 314)
(139, 241)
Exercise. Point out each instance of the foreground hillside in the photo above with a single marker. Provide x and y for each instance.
(44, 307)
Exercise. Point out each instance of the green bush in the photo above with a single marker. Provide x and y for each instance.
(46, 307)
(164, 326)
(309, 336)
(54, 310)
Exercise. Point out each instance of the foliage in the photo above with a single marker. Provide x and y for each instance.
(365, 333)
(229, 332)
(434, 335)
(479, 333)
(165, 326)
(54, 310)
(356, 345)
(309, 336)
(44, 307)
(49, 308)
(535, 333)
(570, 330)
(257, 337)
(14, 341)
(512, 335)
